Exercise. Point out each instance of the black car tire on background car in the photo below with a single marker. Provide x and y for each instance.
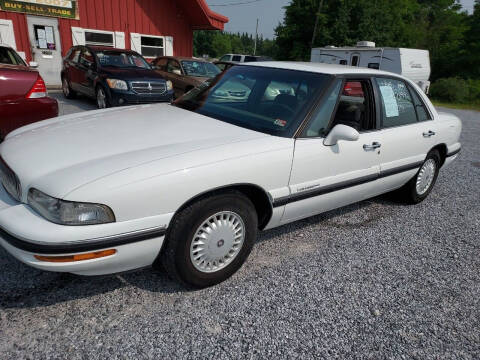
(101, 98)
(67, 90)
(234, 214)
(413, 192)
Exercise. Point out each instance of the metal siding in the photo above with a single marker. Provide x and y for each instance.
(152, 17)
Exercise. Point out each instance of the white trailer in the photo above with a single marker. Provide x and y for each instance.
(411, 63)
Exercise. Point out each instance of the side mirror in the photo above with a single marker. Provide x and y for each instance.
(177, 72)
(341, 132)
(33, 64)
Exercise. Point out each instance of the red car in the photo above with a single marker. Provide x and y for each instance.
(353, 88)
(23, 95)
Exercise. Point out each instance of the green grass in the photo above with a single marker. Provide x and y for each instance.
(457, 105)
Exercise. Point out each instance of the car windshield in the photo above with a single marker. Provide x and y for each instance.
(272, 101)
(10, 57)
(200, 68)
(121, 59)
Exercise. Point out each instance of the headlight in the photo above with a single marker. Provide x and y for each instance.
(117, 84)
(169, 85)
(69, 212)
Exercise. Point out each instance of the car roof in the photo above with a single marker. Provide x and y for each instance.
(96, 48)
(331, 69)
(182, 58)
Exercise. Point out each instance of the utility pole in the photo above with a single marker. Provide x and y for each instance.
(256, 35)
(320, 5)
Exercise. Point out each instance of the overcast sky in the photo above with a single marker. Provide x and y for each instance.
(269, 12)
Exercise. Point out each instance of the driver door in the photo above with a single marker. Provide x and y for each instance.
(327, 177)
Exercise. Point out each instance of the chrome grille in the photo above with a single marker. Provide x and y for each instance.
(149, 87)
(10, 181)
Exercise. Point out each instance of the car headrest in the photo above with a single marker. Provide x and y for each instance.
(286, 99)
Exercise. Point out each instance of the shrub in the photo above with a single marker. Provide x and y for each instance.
(456, 90)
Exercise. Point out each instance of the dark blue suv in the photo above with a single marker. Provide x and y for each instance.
(112, 76)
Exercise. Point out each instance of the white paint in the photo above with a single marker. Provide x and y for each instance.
(146, 161)
(7, 35)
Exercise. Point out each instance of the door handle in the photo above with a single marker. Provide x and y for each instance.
(429, 133)
(375, 145)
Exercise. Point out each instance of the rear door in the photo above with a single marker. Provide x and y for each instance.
(407, 132)
(87, 72)
(72, 70)
(175, 75)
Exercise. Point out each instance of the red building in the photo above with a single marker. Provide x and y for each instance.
(44, 30)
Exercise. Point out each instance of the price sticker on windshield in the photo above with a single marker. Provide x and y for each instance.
(280, 122)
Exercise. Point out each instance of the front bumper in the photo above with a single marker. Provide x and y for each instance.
(24, 234)
(122, 97)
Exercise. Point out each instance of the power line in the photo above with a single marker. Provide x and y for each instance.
(237, 3)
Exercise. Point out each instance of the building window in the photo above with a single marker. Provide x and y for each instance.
(152, 46)
(102, 38)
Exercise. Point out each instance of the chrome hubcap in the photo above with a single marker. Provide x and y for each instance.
(217, 241)
(425, 176)
(66, 90)
(101, 99)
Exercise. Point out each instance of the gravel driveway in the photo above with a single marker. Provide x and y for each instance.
(373, 280)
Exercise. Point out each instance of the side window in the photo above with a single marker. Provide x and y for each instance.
(355, 108)
(161, 63)
(397, 104)
(75, 55)
(374, 65)
(225, 58)
(422, 112)
(237, 58)
(319, 123)
(86, 58)
(343, 62)
(173, 67)
(355, 60)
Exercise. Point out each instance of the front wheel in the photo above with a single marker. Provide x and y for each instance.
(418, 188)
(208, 241)
(102, 99)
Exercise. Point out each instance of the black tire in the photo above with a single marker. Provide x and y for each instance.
(67, 89)
(409, 192)
(175, 255)
(98, 90)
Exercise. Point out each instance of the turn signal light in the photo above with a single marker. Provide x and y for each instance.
(38, 89)
(79, 257)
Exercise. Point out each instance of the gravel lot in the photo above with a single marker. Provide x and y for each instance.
(373, 280)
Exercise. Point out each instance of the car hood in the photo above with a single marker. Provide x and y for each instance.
(131, 73)
(59, 155)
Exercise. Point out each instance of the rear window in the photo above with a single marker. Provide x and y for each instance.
(200, 68)
(10, 57)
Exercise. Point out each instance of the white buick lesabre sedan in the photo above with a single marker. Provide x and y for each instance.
(189, 185)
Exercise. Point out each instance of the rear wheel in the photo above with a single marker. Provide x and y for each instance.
(209, 240)
(418, 188)
(102, 99)
(67, 90)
